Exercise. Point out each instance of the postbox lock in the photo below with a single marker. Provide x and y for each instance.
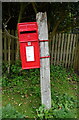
(29, 43)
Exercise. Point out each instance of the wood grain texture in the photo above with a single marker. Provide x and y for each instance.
(45, 63)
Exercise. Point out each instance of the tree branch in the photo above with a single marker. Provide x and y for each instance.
(58, 22)
(34, 7)
(7, 33)
(22, 8)
(8, 20)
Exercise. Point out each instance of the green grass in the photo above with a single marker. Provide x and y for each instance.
(23, 91)
(25, 105)
(9, 112)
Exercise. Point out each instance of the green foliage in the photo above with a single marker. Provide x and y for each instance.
(9, 112)
(15, 71)
(58, 72)
(72, 75)
(17, 80)
(0, 112)
(43, 113)
(62, 107)
(61, 72)
(27, 83)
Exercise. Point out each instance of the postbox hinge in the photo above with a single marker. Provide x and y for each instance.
(45, 57)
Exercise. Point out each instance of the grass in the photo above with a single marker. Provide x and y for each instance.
(23, 92)
(64, 86)
(62, 81)
(25, 105)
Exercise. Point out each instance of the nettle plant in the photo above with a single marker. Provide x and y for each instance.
(62, 107)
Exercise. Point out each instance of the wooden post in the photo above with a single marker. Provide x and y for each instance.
(45, 62)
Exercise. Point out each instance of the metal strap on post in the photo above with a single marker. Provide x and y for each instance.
(45, 57)
(43, 40)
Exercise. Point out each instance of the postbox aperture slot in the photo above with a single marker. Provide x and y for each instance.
(23, 32)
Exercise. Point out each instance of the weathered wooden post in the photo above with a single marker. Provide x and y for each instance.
(45, 60)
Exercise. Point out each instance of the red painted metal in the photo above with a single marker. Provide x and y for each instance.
(28, 39)
(45, 57)
(43, 40)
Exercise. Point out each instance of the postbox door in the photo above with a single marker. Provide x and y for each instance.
(30, 55)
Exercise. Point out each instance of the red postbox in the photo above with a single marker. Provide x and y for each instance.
(29, 45)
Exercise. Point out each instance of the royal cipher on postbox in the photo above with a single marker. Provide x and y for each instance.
(29, 45)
